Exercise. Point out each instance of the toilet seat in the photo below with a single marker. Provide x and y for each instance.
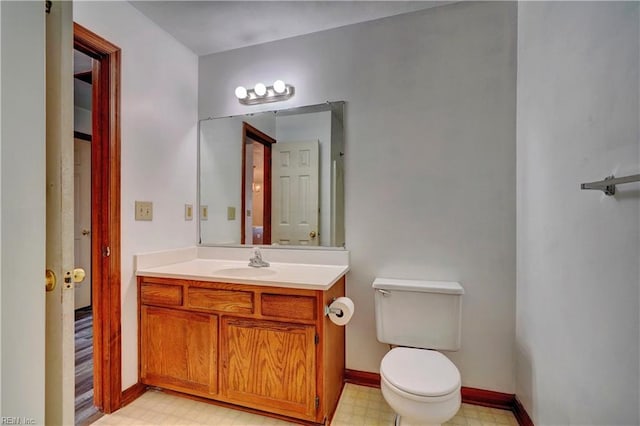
(420, 373)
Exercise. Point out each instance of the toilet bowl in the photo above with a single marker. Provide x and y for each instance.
(422, 386)
(419, 318)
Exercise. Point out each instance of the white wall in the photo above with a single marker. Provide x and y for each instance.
(82, 120)
(22, 188)
(159, 140)
(429, 165)
(0, 212)
(577, 295)
(82, 107)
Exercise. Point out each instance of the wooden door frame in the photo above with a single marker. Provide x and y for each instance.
(105, 217)
(250, 132)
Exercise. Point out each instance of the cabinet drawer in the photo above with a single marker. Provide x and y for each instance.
(221, 300)
(288, 306)
(161, 294)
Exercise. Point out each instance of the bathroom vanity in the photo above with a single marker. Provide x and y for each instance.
(244, 336)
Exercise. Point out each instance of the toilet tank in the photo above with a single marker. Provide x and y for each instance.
(420, 314)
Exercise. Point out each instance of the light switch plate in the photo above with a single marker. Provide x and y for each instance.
(204, 212)
(144, 210)
(231, 213)
(188, 212)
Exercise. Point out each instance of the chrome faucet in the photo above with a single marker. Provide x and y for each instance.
(256, 261)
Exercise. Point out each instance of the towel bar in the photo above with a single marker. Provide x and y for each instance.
(608, 184)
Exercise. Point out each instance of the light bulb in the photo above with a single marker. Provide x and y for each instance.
(279, 86)
(260, 89)
(241, 92)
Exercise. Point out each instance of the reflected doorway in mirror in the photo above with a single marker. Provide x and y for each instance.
(256, 167)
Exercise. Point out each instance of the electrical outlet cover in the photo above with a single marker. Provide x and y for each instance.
(144, 210)
(231, 213)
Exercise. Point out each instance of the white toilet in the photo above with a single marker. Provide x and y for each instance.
(419, 317)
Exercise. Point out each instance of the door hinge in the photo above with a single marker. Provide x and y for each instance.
(47, 6)
(316, 339)
(106, 251)
(317, 402)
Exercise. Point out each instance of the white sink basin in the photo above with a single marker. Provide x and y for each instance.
(246, 272)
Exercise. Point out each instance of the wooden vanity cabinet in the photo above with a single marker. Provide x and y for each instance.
(262, 347)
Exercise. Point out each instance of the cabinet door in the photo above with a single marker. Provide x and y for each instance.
(269, 365)
(178, 350)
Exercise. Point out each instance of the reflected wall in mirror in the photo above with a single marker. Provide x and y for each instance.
(273, 178)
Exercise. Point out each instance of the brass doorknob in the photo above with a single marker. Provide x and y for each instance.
(49, 280)
(86, 232)
(312, 234)
(78, 275)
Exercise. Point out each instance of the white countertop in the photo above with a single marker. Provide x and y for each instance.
(185, 265)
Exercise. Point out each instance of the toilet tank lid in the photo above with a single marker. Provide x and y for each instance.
(391, 284)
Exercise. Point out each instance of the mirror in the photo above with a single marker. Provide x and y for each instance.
(273, 178)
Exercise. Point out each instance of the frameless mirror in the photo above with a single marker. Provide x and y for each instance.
(273, 178)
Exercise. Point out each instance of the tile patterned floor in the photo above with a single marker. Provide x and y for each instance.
(359, 406)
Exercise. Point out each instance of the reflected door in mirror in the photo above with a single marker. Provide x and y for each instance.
(295, 193)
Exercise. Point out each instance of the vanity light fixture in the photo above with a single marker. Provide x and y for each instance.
(261, 94)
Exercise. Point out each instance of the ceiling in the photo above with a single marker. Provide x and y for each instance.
(208, 27)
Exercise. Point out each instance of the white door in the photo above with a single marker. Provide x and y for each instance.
(82, 219)
(59, 358)
(295, 193)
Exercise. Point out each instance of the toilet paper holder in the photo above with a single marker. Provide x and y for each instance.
(329, 310)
